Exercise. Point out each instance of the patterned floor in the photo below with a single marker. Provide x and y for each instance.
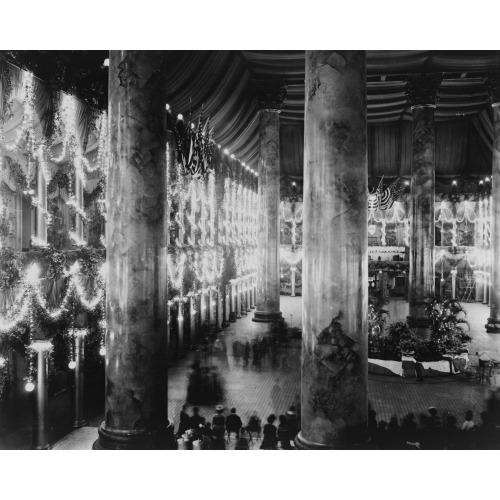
(272, 388)
(273, 384)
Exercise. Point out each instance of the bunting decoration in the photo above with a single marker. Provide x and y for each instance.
(195, 147)
(384, 197)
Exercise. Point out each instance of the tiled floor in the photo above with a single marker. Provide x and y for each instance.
(274, 383)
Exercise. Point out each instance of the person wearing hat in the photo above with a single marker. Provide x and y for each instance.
(218, 428)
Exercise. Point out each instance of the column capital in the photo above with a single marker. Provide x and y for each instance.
(271, 97)
(492, 84)
(423, 90)
(40, 345)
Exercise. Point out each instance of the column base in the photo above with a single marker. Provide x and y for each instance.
(493, 325)
(301, 443)
(112, 439)
(79, 423)
(45, 447)
(267, 317)
(421, 325)
(225, 324)
(232, 317)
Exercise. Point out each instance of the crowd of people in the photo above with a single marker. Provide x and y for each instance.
(195, 431)
(431, 431)
(434, 431)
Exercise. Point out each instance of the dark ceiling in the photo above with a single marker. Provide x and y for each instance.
(225, 83)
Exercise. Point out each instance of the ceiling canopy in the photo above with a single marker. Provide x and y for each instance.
(225, 84)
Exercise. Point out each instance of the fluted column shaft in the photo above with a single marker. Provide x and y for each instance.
(335, 266)
(136, 338)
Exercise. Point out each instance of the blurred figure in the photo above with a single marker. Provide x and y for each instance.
(246, 353)
(434, 430)
(451, 434)
(218, 429)
(270, 441)
(409, 429)
(170, 440)
(372, 423)
(381, 441)
(283, 434)
(256, 354)
(468, 424)
(233, 423)
(393, 434)
(254, 425)
(242, 444)
(196, 420)
(184, 422)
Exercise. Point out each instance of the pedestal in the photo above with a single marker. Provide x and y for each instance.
(136, 339)
(334, 398)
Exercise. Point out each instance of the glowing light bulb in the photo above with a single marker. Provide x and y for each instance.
(454, 183)
(226, 151)
(247, 167)
(106, 62)
(407, 183)
(74, 268)
(103, 271)
(180, 117)
(31, 191)
(487, 179)
(219, 146)
(293, 184)
(232, 157)
(29, 386)
(481, 182)
(102, 351)
(192, 125)
(72, 365)
(244, 164)
(32, 273)
(2, 362)
(167, 107)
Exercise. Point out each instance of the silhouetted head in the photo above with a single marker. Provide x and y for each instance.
(282, 419)
(233, 410)
(468, 415)
(271, 418)
(432, 411)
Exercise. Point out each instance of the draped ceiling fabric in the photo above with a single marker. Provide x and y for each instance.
(225, 82)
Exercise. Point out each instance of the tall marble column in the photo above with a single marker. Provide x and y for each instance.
(334, 398)
(268, 240)
(136, 338)
(493, 325)
(422, 93)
